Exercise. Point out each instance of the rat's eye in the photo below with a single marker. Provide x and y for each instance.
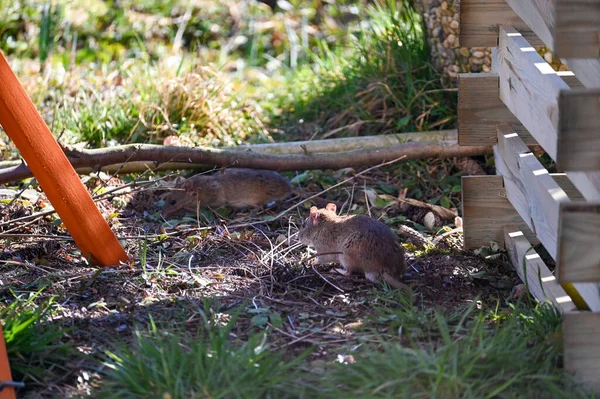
(172, 202)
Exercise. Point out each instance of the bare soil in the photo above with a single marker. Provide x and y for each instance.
(257, 267)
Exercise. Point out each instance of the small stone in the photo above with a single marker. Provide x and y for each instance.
(478, 54)
(486, 68)
(465, 52)
(476, 61)
(563, 68)
(548, 57)
(451, 39)
(444, 5)
(454, 24)
(451, 56)
(453, 75)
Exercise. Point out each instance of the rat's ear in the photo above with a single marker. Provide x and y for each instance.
(331, 207)
(314, 214)
(187, 184)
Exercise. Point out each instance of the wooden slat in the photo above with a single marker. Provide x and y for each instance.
(588, 183)
(480, 110)
(579, 236)
(538, 15)
(529, 87)
(486, 211)
(531, 269)
(586, 70)
(479, 21)
(506, 159)
(581, 343)
(567, 185)
(536, 197)
(530, 189)
(579, 130)
(577, 28)
(568, 27)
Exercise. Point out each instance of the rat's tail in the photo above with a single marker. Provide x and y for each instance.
(394, 282)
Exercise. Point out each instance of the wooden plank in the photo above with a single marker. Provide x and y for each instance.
(529, 87)
(586, 70)
(536, 197)
(578, 130)
(567, 185)
(581, 346)
(530, 189)
(588, 183)
(531, 269)
(486, 211)
(495, 61)
(570, 28)
(480, 19)
(577, 28)
(544, 197)
(480, 110)
(506, 159)
(538, 15)
(579, 235)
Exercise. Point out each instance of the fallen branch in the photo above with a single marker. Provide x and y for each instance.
(301, 147)
(349, 143)
(155, 155)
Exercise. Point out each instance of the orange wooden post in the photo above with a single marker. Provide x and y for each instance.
(54, 173)
(5, 374)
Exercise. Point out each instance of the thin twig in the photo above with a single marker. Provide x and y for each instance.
(327, 281)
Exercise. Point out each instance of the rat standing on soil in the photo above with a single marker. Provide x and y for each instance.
(236, 187)
(363, 243)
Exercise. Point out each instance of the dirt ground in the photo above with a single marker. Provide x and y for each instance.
(261, 267)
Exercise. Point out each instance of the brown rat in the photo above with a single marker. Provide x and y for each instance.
(363, 244)
(235, 187)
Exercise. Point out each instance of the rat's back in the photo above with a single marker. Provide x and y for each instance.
(253, 187)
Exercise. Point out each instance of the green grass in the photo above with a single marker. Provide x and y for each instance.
(513, 354)
(464, 353)
(171, 364)
(382, 80)
(33, 343)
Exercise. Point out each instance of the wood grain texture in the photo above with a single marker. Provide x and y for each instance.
(577, 28)
(538, 15)
(529, 87)
(578, 146)
(579, 234)
(486, 211)
(581, 343)
(536, 197)
(531, 269)
(567, 185)
(480, 19)
(588, 183)
(480, 110)
(534, 194)
(506, 159)
(586, 70)
(570, 28)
